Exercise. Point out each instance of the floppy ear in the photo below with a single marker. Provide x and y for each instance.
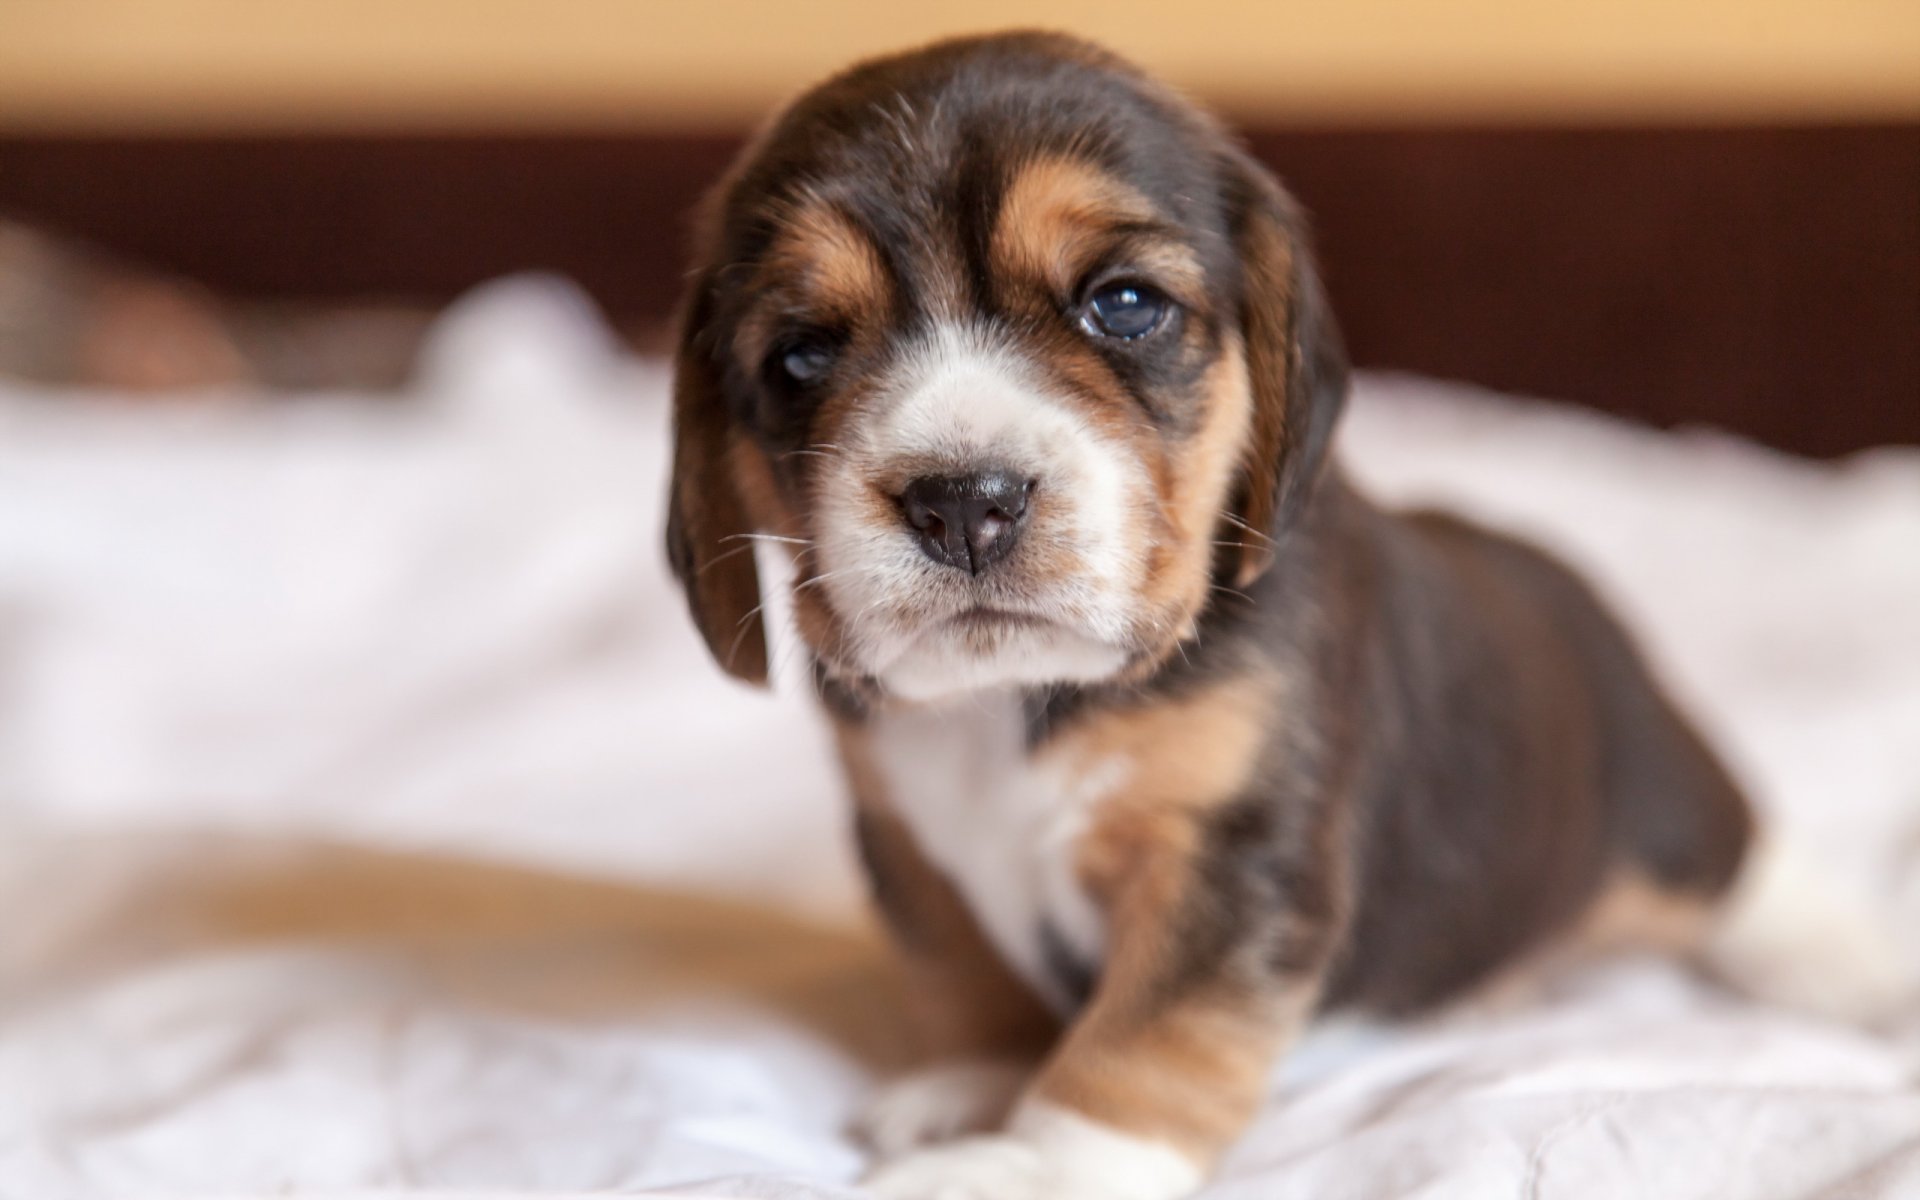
(707, 521)
(1295, 361)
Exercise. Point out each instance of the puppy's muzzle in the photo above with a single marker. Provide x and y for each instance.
(968, 521)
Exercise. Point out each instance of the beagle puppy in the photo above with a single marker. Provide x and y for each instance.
(1162, 739)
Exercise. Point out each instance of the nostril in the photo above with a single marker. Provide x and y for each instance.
(967, 521)
(920, 515)
(1013, 504)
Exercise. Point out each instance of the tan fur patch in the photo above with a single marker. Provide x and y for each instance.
(819, 264)
(1184, 754)
(1634, 911)
(1053, 214)
(1196, 492)
(837, 268)
(1183, 758)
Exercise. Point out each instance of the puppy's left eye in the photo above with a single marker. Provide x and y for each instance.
(1126, 311)
(804, 362)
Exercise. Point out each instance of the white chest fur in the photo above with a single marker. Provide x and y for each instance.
(1002, 824)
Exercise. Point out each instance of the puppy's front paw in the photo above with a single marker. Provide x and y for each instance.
(999, 1167)
(1793, 935)
(938, 1104)
(1049, 1154)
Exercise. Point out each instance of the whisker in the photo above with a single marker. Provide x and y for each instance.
(717, 559)
(796, 649)
(734, 647)
(820, 578)
(768, 537)
(751, 613)
(1230, 519)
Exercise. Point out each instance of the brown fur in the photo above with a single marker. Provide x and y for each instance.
(1372, 759)
(707, 535)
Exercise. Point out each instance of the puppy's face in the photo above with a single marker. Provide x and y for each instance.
(1017, 354)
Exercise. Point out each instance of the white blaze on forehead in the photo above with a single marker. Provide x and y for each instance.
(959, 393)
(959, 402)
(967, 403)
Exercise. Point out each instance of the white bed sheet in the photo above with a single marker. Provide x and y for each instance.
(371, 820)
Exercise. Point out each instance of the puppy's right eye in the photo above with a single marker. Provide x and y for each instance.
(806, 361)
(1127, 311)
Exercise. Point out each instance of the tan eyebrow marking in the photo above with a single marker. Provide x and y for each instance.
(1058, 212)
(820, 268)
(831, 263)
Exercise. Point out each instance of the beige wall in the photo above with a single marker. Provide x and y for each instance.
(427, 64)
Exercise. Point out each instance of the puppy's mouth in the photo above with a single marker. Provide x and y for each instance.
(987, 617)
(980, 642)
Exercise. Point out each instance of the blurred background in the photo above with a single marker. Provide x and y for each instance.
(371, 816)
(1680, 210)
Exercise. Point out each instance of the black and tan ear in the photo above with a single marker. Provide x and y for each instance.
(1296, 364)
(707, 519)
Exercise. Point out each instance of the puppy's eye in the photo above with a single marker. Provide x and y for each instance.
(1126, 311)
(806, 362)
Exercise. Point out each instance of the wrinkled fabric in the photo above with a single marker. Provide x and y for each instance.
(373, 823)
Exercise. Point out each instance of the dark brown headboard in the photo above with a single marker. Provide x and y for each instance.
(1764, 280)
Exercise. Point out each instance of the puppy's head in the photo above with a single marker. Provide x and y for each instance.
(1017, 354)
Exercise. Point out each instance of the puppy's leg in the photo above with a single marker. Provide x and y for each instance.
(1763, 918)
(985, 1029)
(1772, 923)
(1167, 1063)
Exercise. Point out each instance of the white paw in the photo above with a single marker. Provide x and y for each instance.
(938, 1104)
(1793, 936)
(1050, 1154)
(996, 1167)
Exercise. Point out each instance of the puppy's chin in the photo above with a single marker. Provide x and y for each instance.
(973, 655)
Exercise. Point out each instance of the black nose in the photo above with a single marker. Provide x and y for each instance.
(967, 521)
